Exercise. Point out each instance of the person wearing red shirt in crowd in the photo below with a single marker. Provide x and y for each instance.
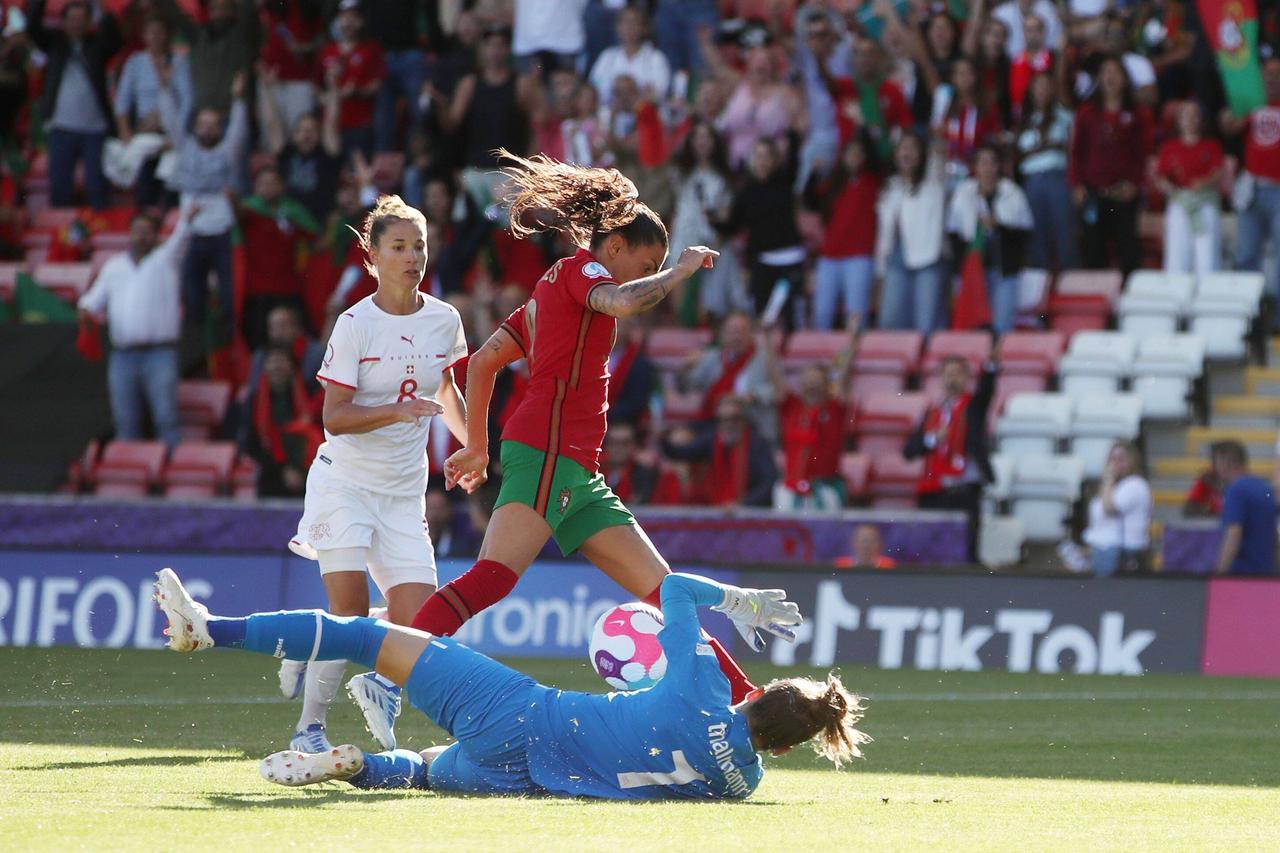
(354, 67)
(1204, 498)
(1108, 163)
(1037, 58)
(1188, 171)
(632, 479)
(632, 376)
(281, 426)
(292, 36)
(867, 547)
(735, 366)
(969, 121)
(738, 461)
(952, 438)
(870, 101)
(846, 260)
(1257, 193)
(275, 229)
(811, 431)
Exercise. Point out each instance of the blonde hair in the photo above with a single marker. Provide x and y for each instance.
(388, 209)
(586, 204)
(792, 711)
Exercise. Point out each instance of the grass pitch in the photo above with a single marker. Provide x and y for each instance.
(131, 750)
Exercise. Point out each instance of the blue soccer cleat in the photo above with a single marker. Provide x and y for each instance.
(311, 740)
(379, 701)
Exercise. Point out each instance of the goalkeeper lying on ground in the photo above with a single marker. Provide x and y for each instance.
(678, 739)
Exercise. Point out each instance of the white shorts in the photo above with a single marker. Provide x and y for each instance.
(391, 528)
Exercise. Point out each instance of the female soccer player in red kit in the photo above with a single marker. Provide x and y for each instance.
(551, 485)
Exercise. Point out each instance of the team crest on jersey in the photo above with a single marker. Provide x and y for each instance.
(595, 270)
(319, 532)
(564, 500)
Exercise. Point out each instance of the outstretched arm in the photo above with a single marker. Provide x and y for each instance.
(636, 297)
(748, 609)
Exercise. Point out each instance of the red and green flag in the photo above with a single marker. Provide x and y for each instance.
(1232, 29)
(36, 304)
(972, 307)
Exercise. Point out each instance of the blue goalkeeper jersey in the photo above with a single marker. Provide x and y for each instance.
(676, 740)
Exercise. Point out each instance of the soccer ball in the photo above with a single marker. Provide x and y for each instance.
(625, 649)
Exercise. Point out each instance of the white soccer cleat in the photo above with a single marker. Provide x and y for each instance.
(298, 768)
(293, 676)
(379, 701)
(188, 629)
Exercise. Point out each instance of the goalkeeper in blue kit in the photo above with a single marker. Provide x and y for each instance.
(681, 739)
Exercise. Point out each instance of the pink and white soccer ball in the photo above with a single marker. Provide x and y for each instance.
(625, 649)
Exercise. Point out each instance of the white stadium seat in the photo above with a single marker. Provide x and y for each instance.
(1044, 490)
(1096, 363)
(1154, 302)
(1222, 310)
(1100, 421)
(1164, 371)
(1034, 423)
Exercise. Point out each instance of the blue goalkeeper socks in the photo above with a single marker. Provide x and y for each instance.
(303, 635)
(401, 768)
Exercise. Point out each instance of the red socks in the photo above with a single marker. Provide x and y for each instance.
(484, 584)
(739, 684)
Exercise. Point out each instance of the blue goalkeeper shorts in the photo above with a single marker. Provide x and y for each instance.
(483, 704)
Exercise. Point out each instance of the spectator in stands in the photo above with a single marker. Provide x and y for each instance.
(1119, 529)
(402, 28)
(634, 56)
(137, 105)
(15, 62)
(866, 550)
(932, 55)
(632, 376)
(823, 54)
(1042, 142)
(450, 531)
(741, 470)
(286, 331)
(761, 107)
(73, 101)
(287, 65)
(811, 429)
(1036, 58)
(1108, 166)
(952, 438)
(1248, 514)
(1204, 498)
(984, 42)
(626, 467)
(1014, 14)
(764, 208)
(274, 229)
(1188, 172)
(1116, 42)
(548, 34)
(909, 237)
(355, 67)
(281, 428)
(734, 366)
(991, 213)
(222, 48)
(310, 157)
(209, 160)
(846, 265)
(677, 26)
(969, 120)
(138, 290)
(1256, 196)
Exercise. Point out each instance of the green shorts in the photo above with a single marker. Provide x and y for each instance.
(576, 503)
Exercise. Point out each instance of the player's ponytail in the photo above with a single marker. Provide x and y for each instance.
(586, 204)
(792, 711)
(388, 209)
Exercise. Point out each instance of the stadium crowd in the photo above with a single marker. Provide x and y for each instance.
(854, 162)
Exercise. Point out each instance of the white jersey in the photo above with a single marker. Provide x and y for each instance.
(388, 358)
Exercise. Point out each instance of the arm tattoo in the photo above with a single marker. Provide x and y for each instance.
(633, 297)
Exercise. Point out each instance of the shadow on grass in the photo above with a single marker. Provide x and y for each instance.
(137, 761)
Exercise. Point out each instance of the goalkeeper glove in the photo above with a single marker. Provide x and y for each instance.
(754, 610)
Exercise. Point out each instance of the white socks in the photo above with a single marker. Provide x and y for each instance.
(324, 677)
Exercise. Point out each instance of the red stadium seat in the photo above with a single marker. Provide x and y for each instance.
(244, 480)
(868, 383)
(855, 469)
(9, 271)
(190, 492)
(46, 223)
(1083, 300)
(809, 345)
(134, 464)
(113, 241)
(202, 406)
(1104, 283)
(884, 420)
(669, 347)
(1031, 353)
(896, 353)
(973, 347)
(68, 281)
(206, 465)
(894, 480)
(120, 490)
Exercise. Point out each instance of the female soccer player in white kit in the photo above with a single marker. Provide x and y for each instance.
(386, 373)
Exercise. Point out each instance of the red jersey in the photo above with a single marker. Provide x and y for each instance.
(892, 104)
(359, 66)
(1182, 163)
(812, 438)
(1021, 70)
(292, 24)
(851, 222)
(271, 247)
(1262, 143)
(567, 346)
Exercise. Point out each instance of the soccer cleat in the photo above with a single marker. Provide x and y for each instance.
(310, 740)
(293, 677)
(294, 768)
(379, 701)
(188, 629)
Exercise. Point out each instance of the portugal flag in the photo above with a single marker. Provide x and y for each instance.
(972, 308)
(1232, 29)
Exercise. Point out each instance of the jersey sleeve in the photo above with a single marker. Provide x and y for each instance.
(458, 350)
(585, 279)
(682, 639)
(516, 327)
(341, 364)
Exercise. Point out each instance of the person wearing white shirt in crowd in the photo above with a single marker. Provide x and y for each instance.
(1119, 530)
(548, 29)
(635, 57)
(1012, 12)
(138, 290)
(387, 371)
(909, 236)
(1114, 41)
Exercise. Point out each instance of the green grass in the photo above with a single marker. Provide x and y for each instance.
(148, 750)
